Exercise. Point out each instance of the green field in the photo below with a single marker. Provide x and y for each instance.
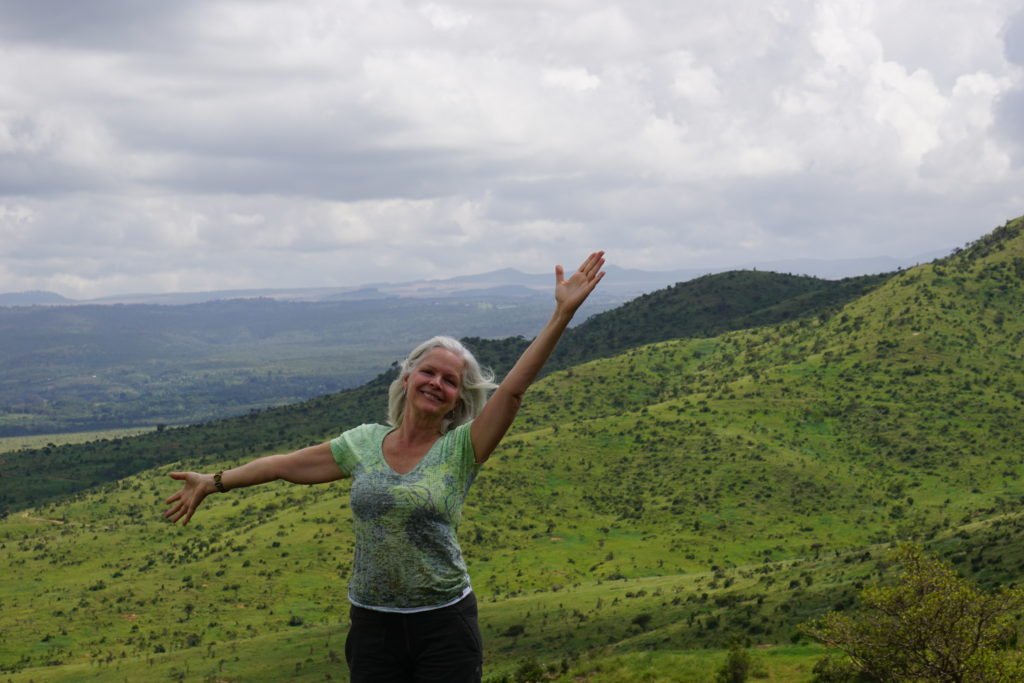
(18, 443)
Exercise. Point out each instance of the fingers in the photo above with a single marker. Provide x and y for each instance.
(175, 512)
(179, 512)
(590, 268)
(182, 503)
(592, 265)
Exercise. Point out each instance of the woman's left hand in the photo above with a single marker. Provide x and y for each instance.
(572, 291)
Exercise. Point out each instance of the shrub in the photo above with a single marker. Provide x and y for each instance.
(931, 625)
(736, 667)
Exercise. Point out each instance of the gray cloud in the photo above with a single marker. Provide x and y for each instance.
(187, 145)
(97, 24)
(1013, 38)
(1009, 111)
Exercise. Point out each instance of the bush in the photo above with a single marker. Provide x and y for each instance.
(642, 620)
(931, 625)
(529, 671)
(736, 667)
(513, 631)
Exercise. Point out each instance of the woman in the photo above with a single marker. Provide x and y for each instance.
(413, 612)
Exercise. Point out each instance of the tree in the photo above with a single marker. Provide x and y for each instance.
(642, 620)
(931, 625)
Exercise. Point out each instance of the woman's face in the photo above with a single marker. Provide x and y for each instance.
(434, 383)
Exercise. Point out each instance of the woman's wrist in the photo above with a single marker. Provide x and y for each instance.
(208, 484)
(562, 316)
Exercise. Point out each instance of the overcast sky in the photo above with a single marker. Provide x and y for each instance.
(203, 144)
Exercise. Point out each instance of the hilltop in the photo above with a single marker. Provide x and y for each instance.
(702, 307)
(679, 495)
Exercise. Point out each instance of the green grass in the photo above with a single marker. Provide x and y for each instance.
(771, 664)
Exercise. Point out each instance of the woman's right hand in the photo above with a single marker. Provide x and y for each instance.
(572, 291)
(194, 489)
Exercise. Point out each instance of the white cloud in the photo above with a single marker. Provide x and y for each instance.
(445, 17)
(213, 143)
(697, 83)
(574, 78)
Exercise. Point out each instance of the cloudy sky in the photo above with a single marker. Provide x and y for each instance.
(210, 144)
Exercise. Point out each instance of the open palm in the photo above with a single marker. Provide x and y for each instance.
(572, 291)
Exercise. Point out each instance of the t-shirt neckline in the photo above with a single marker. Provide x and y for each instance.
(380, 454)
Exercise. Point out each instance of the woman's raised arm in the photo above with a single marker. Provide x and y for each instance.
(313, 465)
(490, 426)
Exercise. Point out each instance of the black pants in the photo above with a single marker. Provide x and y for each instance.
(441, 645)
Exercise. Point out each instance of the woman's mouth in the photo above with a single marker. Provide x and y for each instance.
(432, 396)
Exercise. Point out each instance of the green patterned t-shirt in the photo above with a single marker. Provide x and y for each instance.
(407, 554)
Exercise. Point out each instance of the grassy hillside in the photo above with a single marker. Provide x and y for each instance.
(726, 301)
(647, 510)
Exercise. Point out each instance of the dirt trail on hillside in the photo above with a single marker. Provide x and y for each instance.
(42, 519)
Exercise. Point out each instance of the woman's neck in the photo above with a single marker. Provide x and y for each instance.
(419, 429)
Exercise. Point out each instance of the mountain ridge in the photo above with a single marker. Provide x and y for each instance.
(631, 283)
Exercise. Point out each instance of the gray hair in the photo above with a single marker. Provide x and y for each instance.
(473, 390)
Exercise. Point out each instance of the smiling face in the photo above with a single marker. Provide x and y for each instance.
(432, 388)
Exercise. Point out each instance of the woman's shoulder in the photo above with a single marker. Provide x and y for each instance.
(459, 430)
(459, 439)
(364, 433)
(354, 445)
(369, 428)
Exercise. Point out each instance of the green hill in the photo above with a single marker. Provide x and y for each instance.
(702, 307)
(674, 497)
(727, 301)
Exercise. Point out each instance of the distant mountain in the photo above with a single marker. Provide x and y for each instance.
(33, 299)
(620, 285)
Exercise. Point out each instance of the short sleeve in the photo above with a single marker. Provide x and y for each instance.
(347, 448)
(462, 444)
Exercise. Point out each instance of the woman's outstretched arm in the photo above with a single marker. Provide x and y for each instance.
(490, 426)
(313, 465)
